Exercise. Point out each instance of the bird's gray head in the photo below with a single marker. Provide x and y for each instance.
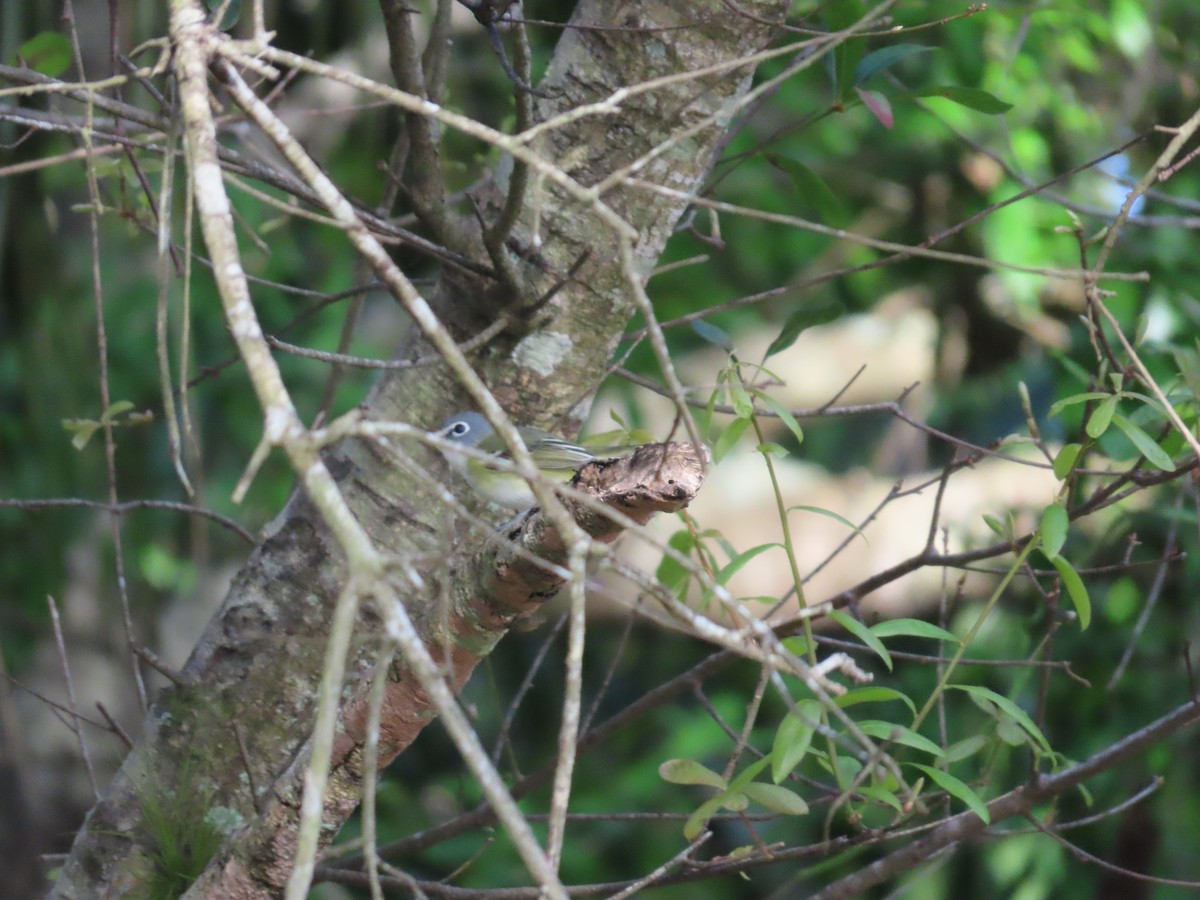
(466, 428)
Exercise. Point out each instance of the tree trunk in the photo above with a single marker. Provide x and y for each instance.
(240, 722)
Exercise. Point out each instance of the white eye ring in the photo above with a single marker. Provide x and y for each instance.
(458, 429)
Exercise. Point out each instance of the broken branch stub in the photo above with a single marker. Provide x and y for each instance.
(655, 478)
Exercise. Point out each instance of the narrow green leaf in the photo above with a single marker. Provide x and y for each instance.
(972, 98)
(804, 317)
(831, 514)
(713, 334)
(734, 801)
(749, 773)
(965, 748)
(1075, 399)
(770, 448)
(1155, 406)
(1072, 368)
(882, 796)
(232, 12)
(1147, 446)
(792, 739)
(846, 769)
(1064, 462)
(860, 631)
(730, 436)
(785, 415)
(1102, 417)
(743, 406)
(956, 788)
(115, 409)
(1075, 590)
(670, 572)
(885, 58)
(48, 53)
(912, 628)
(997, 526)
(797, 644)
(890, 731)
(1010, 732)
(82, 431)
(688, 771)
(814, 193)
(695, 822)
(841, 14)
(1053, 528)
(777, 799)
(1088, 799)
(873, 694)
(976, 691)
(731, 568)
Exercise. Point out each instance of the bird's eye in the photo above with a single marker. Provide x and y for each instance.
(458, 429)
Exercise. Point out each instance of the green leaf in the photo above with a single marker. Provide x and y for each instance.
(890, 731)
(972, 98)
(688, 771)
(1075, 399)
(1053, 528)
(1064, 462)
(1132, 29)
(743, 406)
(729, 437)
(695, 822)
(1010, 732)
(1102, 417)
(978, 692)
(785, 415)
(873, 694)
(1072, 368)
(115, 409)
(775, 798)
(882, 796)
(912, 628)
(1075, 590)
(815, 193)
(860, 631)
(1147, 446)
(233, 12)
(792, 739)
(997, 526)
(965, 748)
(731, 568)
(804, 317)
(885, 58)
(48, 53)
(797, 644)
(831, 514)
(670, 572)
(841, 14)
(82, 431)
(956, 788)
(770, 448)
(734, 801)
(713, 334)
(846, 769)
(748, 774)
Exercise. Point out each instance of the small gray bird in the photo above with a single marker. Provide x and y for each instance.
(555, 458)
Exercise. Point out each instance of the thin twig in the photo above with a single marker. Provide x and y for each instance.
(72, 706)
